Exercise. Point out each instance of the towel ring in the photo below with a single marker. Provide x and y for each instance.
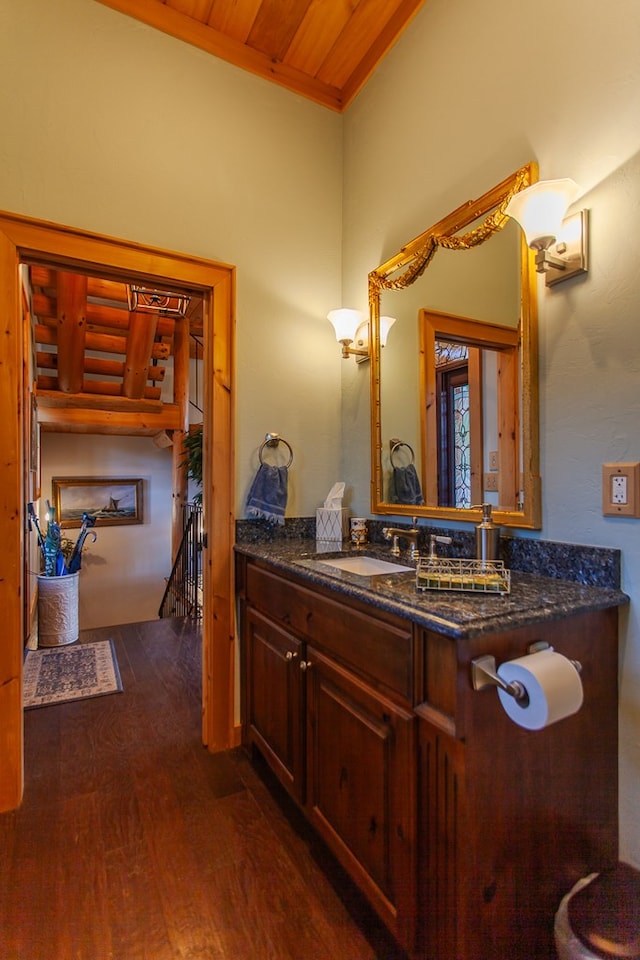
(395, 446)
(272, 440)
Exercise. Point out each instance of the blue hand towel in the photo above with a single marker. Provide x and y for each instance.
(268, 494)
(406, 485)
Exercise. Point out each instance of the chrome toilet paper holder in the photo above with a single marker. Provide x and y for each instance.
(484, 674)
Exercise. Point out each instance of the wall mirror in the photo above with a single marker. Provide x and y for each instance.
(454, 411)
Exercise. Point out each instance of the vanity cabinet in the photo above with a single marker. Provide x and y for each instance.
(463, 829)
(327, 700)
(511, 818)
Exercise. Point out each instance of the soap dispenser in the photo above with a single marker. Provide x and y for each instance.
(486, 536)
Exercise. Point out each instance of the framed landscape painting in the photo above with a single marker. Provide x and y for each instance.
(109, 500)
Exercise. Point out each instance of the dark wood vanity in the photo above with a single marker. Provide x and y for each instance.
(463, 829)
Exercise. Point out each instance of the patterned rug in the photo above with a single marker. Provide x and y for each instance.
(59, 674)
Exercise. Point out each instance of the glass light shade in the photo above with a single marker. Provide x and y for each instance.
(345, 322)
(540, 210)
(385, 325)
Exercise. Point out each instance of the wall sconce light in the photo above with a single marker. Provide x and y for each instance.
(351, 326)
(560, 245)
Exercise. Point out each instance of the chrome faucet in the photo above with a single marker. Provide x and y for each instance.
(433, 539)
(396, 533)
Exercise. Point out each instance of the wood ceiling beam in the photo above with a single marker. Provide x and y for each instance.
(100, 289)
(142, 333)
(97, 365)
(275, 26)
(53, 399)
(71, 330)
(316, 35)
(99, 342)
(98, 315)
(121, 423)
(103, 388)
(233, 19)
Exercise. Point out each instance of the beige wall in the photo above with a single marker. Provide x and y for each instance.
(123, 573)
(455, 108)
(113, 127)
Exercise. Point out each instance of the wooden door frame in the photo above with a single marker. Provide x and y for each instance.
(25, 239)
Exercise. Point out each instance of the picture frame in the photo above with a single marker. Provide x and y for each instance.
(113, 501)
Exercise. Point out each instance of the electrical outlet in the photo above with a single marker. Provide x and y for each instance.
(493, 460)
(621, 489)
(491, 482)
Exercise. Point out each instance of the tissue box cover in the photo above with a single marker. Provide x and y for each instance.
(332, 524)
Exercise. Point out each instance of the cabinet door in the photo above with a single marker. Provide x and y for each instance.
(441, 831)
(273, 690)
(361, 787)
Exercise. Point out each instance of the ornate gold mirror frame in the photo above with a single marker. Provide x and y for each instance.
(399, 273)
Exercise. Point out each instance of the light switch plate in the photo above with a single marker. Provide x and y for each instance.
(621, 489)
(491, 482)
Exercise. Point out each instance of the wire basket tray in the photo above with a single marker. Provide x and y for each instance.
(471, 576)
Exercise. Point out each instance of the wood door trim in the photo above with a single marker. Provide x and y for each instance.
(23, 239)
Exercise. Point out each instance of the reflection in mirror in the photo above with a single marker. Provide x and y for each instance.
(469, 398)
(468, 420)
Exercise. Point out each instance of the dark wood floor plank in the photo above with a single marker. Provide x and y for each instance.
(134, 843)
(262, 879)
(78, 761)
(120, 821)
(28, 911)
(82, 929)
(42, 754)
(342, 904)
(188, 909)
(138, 928)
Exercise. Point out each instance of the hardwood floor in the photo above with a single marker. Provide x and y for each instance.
(134, 843)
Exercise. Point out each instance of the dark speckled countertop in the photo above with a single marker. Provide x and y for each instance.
(533, 599)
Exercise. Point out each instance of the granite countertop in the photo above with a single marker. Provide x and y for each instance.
(533, 599)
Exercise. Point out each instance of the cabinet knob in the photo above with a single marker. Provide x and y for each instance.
(289, 655)
(305, 665)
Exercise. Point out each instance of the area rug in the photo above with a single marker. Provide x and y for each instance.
(59, 674)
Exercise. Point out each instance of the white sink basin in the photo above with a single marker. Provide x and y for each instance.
(366, 566)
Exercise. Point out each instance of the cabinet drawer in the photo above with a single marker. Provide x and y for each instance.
(376, 645)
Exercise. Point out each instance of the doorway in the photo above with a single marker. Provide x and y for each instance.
(60, 247)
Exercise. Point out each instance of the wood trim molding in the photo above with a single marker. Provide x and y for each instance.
(11, 530)
(37, 242)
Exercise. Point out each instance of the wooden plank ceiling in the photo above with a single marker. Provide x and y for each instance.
(99, 365)
(322, 49)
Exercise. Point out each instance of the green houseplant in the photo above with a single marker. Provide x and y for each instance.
(192, 445)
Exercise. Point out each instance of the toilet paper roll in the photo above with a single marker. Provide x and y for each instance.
(553, 686)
